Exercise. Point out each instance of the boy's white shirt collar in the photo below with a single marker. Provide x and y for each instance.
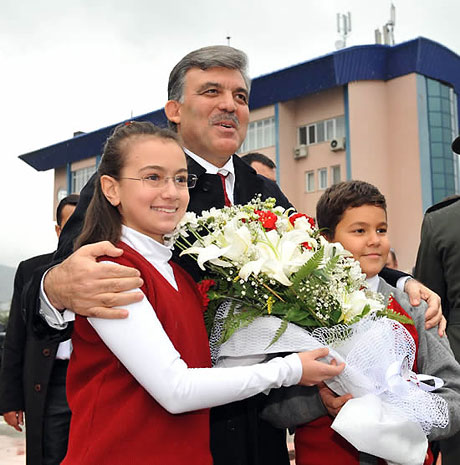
(373, 282)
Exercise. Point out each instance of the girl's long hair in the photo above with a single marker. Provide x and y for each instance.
(103, 220)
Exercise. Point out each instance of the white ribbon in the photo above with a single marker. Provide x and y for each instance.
(398, 375)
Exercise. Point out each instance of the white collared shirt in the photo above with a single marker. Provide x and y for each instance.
(373, 283)
(228, 170)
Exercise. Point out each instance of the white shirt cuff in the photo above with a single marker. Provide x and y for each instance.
(52, 316)
(401, 282)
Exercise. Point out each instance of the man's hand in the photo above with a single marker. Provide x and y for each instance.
(90, 288)
(15, 419)
(331, 400)
(416, 292)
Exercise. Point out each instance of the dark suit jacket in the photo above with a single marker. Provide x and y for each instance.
(27, 364)
(438, 262)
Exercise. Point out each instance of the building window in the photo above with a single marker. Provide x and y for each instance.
(80, 177)
(260, 134)
(312, 134)
(322, 178)
(440, 116)
(335, 174)
(310, 181)
(322, 131)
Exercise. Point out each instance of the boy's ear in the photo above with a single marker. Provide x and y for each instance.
(172, 111)
(327, 236)
(111, 189)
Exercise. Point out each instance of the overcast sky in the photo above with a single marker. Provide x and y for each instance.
(83, 64)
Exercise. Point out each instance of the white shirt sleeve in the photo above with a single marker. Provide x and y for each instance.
(401, 282)
(49, 313)
(143, 347)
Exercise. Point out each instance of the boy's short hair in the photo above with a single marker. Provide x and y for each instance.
(339, 197)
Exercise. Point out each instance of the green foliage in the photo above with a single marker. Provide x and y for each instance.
(403, 319)
(279, 332)
(240, 319)
(307, 269)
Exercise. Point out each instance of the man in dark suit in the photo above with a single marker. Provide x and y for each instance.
(208, 95)
(438, 266)
(32, 376)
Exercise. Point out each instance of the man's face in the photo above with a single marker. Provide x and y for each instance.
(264, 170)
(212, 119)
(66, 213)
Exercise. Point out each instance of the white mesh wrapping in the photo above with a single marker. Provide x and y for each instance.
(378, 354)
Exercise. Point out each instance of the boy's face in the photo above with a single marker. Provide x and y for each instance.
(363, 231)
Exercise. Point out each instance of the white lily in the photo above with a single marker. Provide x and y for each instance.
(211, 253)
(353, 305)
(237, 239)
(278, 257)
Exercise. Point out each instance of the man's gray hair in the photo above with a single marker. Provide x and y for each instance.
(204, 58)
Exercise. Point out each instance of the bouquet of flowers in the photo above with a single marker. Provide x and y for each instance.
(278, 286)
(268, 262)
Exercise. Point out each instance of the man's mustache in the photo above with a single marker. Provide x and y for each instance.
(225, 117)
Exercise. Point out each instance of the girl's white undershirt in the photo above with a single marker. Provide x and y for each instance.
(144, 348)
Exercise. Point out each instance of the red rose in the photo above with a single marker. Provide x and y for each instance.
(268, 219)
(292, 219)
(203, 288)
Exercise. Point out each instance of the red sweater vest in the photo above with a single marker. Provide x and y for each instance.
(114, 420)
(316, 442)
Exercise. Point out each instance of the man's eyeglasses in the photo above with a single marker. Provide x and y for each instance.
(155, 181)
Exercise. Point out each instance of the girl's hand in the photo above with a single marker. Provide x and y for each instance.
(314, 371)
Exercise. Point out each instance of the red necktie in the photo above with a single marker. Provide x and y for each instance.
(227, 200)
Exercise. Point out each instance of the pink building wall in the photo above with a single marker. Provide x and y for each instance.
(384, 147)
(292, 115)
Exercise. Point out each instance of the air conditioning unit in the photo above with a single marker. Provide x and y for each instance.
(337, 144)
(301, 151)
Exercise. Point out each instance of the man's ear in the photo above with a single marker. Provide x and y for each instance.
(111, 189)
(172, 111)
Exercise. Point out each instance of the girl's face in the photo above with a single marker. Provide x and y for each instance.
(154, 211)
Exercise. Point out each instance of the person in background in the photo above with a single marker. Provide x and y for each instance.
(33, 373)
(262, 164)
(392, 261)
(438, 266)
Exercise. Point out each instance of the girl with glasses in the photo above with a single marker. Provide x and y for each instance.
(140, 388)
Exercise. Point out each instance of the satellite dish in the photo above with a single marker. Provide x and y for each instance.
(339, 44)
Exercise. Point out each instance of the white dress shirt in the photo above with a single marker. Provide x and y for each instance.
(228, 170)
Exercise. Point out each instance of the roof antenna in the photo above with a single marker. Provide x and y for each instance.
(388, 29)
(343, 28)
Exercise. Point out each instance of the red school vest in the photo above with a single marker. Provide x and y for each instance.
(114, 420)
(317, 443)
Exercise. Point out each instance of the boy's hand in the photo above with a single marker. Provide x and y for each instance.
(417, 292)
(331, 400)
(314, 371)
(90, 288)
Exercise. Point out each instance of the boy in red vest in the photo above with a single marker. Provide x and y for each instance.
(354, 214)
